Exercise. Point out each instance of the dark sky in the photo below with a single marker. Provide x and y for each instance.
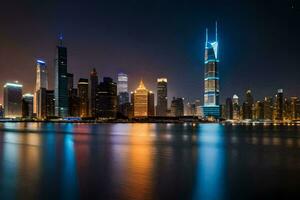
(259, 42)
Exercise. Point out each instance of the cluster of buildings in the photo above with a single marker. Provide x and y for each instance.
(91, 98)
(270, 109)
(107, 99)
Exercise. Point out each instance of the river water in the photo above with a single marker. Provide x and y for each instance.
(148, 161)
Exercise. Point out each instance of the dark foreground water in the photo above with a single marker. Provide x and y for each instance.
(148, 161)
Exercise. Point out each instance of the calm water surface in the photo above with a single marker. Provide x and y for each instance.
(148, 161)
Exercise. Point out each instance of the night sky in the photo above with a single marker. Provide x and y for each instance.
(259, 42)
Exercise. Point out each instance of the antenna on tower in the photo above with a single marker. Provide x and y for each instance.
(206, 39)
(60, 39)
(216, 31)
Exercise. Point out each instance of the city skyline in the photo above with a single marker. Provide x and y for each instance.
(110, 50)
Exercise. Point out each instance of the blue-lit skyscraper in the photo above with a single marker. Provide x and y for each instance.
(211, 106)
(61, 81)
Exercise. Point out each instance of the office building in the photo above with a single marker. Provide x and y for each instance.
(83, 94)
(61, 80)
(177, 107)
(235, 108)
(41, 80)
(248, 106)
(278, 107)
(1, 111)
(106, 99)
(229, 108)
(211, 106)
(151, 107)
(27, 105)
(12, 99)
(259, 110)
(268, 108)
(93, 92)
(295, 108)
(140, 101)
(162, 97)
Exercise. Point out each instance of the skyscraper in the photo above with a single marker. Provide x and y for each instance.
(13, 100)
(93, 92)
(151, 107)
(235, 107)
(295, 108)
(83, 94)
(248, 106)
(106, 99)
(229, 108)
(1, 111)
(41, 75)
(140, 101)
(259, 110)
(41, 80)
(211, 106)
(268, 108)
(27, 105)
(162, 97)
(122, 89)
(61, 81)
(50, 103)
(278, 112)
(177, 107)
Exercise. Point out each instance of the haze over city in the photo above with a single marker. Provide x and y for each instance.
(258, 43)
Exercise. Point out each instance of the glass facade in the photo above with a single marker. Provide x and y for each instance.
(211, 106)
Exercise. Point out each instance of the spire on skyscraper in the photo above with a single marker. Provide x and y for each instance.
(60, 39)
(216, 31)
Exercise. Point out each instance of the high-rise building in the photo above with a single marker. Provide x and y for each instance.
(83, 94)
(27, 105)
(140, 101)
(229, 108)
(248, 106)
(162, 97)
(268, 108)
(259, 110)
(177, 107)
(287, 109)
(74, 103)
(50, 103)
(46, 103)
(211, 106)
(106, 99)
(1, 111)
(12, 100)
(235, 107)
(151, 107)
(278, 108)
(70, 80)
(123, 95)
(295, 108)
(93, 92)
(61, 80)
(41, 80)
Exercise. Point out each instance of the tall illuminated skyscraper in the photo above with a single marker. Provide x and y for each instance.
(40, 83)
(140, 101)
(162, 97)
(61, 81)
(12, 100)
(279, 105)
(83, 93)
(41, 75)
(122, 88)
(211, 106)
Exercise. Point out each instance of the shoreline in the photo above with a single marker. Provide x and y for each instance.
(144, 121)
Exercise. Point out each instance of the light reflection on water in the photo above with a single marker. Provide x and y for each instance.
(147, 161)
